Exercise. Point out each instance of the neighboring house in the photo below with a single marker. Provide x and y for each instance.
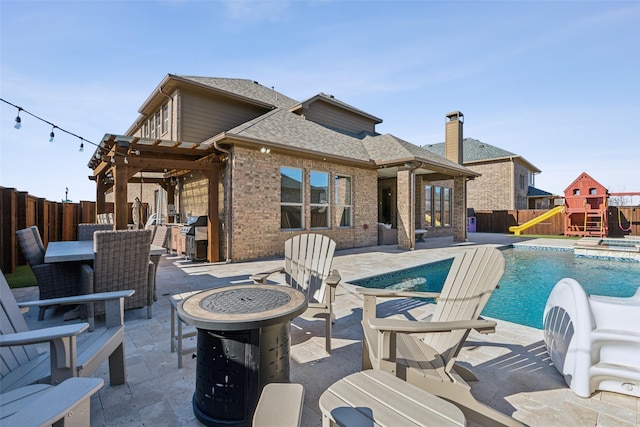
(264, 167)
(507, 180)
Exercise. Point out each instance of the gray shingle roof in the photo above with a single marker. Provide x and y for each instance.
(473, 150)
(536, 192)
(282, 127)
(388, 148)
(247, 88)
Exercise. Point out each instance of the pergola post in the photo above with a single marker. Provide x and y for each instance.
(120, 208)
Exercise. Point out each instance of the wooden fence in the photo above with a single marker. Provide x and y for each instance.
(58, 221)
(55, 220)
(500, 221)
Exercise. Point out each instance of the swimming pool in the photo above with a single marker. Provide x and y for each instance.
(529, 277)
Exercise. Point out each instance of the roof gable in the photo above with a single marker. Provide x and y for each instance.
(330, 99)
(474, 151)
(245, 88)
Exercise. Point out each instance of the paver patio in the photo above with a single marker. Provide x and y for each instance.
(513, 367)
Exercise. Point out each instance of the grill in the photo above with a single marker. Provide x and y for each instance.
(195, 232)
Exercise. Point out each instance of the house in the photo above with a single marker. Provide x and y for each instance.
(507, 180)
(263, 167)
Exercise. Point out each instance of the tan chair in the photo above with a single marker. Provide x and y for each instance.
(307, 267)
(424, 352)
(55, 280)
(85, 231)
(23, 363)
(121, 261)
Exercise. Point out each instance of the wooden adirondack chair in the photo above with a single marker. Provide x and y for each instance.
(307, 267)
(424, 352)
(21, 363)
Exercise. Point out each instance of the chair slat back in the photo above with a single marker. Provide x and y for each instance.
(472, 279)
(160, 236)
(85, 231)
(11, 321)
(308, 259)
(31, 245)
(121, 261)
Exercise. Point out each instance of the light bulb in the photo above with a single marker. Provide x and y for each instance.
(51, 136)
(18, 124)
(98, 155)
(81, 147)
(113, 159)
(126, 160)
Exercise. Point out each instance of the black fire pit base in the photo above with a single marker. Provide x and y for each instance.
(233, 367)
(214, 422)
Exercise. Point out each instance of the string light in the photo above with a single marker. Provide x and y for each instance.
(18, 124)
(98, 154)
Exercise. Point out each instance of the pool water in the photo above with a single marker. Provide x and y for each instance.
(529, 277)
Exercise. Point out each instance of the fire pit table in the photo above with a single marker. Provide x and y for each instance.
(243, 344)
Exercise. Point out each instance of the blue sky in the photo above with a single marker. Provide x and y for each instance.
(557, 82)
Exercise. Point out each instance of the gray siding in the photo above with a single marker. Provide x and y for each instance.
(338, 118)
(203, 116)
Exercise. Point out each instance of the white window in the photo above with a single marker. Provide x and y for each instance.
(438, 206)
(319, 191)
(145, 130)
(152, 126)
(159, 123)
(291, 198)
(342, 192)
(165, 118)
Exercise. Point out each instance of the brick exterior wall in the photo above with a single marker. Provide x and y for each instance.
(521, 186)
(494, 189)
(255, 223)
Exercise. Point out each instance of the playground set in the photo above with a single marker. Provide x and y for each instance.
(585, 209)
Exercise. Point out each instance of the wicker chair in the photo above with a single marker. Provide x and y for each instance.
(57, 280)
(121, 262)
(85, 231)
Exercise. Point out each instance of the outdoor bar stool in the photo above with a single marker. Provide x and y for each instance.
(177, 332)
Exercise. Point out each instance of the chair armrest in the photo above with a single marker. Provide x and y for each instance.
(42, 335)
(79, 299)
(413, 326)
(54, 403)
(387, 293)
(333, 279)
(261, 278)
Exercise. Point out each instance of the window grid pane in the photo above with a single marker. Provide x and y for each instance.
(291, 198)
(342, 190)
(319, 188)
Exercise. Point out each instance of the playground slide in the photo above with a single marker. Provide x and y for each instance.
(517, 229)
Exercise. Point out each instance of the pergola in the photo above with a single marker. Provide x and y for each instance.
(120, 160)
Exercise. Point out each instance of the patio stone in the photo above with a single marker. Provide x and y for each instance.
(514, 371)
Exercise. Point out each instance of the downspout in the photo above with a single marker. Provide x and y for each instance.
(228, 207)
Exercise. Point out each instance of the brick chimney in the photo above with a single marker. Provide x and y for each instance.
(453, 137)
